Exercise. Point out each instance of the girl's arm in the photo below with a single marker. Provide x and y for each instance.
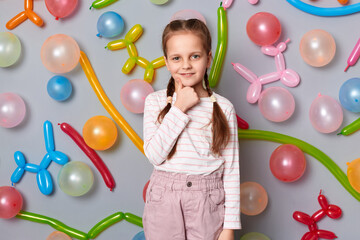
(232, 175)
(159, 139)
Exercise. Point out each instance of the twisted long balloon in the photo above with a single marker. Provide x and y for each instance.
(305, 147)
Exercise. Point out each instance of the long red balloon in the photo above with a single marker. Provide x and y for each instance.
(94, 157)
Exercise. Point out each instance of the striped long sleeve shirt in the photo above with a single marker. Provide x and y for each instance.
(192, 131)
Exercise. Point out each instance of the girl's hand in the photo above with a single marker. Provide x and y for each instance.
(226, 234)
(186, 97)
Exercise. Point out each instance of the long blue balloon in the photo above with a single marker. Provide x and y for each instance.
(325, 12)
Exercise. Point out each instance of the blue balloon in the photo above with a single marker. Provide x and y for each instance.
(139, 236)
(110, 24)
(349, 95)
(59, 88)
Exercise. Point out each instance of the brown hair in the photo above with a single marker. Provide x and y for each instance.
(220, 128)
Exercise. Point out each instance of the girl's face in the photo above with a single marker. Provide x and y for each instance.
(187, 60)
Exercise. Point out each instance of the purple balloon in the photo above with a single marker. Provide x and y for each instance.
(326, 114)
(12, 110)
(133, 95)
(276, 104)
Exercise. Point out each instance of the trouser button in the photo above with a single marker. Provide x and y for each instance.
(189, 184)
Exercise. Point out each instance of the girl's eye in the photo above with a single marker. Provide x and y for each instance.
(175, 58)
(196, 56)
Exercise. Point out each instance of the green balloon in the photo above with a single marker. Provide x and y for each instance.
(10, 49)
(159, 2)
(254, 236)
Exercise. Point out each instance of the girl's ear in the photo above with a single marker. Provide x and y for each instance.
(209, 60)
(166, 63)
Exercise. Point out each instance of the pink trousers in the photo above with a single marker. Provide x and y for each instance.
(184, 207)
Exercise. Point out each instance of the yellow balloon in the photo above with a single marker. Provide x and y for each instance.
(100, 132)
(353, 174)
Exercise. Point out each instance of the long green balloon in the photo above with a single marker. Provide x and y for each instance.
(105, 223)
(131, 218)
(351, 128)
(53, 223)
(220, 49)
(305, 147)
(101, 3)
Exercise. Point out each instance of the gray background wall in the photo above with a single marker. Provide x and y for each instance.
(131, 170)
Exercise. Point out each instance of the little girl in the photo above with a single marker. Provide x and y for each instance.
(190, 136)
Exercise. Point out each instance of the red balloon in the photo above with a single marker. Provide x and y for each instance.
(145, 189)
(10, 202)
(287, 163)
(92, 155)
(263, 28)
(61, 9)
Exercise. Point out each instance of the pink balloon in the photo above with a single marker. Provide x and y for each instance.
(60, 53)
(57, 235)
(263, 28)
(253, 198)
(287, 163)
(12, 110)
(61, 8)
(276, 104)
(187, 14)
(133, 95)
(326, 114)
(10, 202)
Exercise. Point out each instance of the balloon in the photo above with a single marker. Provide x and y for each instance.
(287, 76)
(110, 24)
(105, 101)
(133, 95)
(220, 48)
(241, 123)
(101, 3)
(253, 198)
(317, 48)
(93, 156)
(326, 114)
(61, 9)
(28, 13)
(144, 190)
(74, 233)
(353, 174)
(10, 49)
(287, 163)
(305, 147)
(254, 236)
(159, 2)
(59, 88)
(99, 132)
(186, 14)
(325, 12)
(57, 235)
(133, 35)
(276, 104)
(354, 56)
(12, 110)
(43, 176)
(331, 211)
(139, 236)
(10, 202)
(349, 95)
(351, 128)
(60, 53)
(75, 178)
(263, 28)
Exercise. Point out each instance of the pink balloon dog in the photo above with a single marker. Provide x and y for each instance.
(287, 76)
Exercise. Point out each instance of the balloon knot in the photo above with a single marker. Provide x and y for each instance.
(56, 18)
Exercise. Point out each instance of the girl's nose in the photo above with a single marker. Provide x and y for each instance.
(186, 64)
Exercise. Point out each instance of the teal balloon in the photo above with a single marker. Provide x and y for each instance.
(349, 95)
(75, 178)
(59, 88)
(10, 49)
(254, 236)
(139, 236)
(110, 24)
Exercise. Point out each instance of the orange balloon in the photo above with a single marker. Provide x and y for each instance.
(253, 198)
(100, 132)
(57, 235)
(15, 21)
(353, 174)
(34, 17)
